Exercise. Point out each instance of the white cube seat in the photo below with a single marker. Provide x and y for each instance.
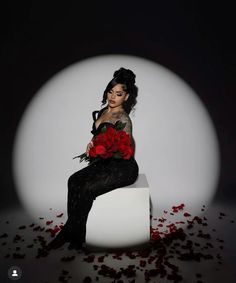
(120, 218)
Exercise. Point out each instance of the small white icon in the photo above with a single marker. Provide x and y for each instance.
(14, 273)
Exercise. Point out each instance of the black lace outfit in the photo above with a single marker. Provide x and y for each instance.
(96, 179)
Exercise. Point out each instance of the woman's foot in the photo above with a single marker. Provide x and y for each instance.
(58, 242)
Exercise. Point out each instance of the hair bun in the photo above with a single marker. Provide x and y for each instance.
(126, 75)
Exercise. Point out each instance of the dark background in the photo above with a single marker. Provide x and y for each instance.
(192, 38)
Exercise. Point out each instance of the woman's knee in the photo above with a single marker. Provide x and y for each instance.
(75, 184)
(76, 178)
(71, 183)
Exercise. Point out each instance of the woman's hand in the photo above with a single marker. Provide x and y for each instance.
(89, 146)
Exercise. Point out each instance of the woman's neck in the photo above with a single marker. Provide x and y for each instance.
(115, 110)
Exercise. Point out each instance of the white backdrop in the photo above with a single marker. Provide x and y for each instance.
(176, 145)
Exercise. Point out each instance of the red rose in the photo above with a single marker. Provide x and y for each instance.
(124, 137)
(99, 139)
(110, 131)
(92, 152)
(100, 149)
(107, 154)
(128, 152)
(121, 147)
(112, 143)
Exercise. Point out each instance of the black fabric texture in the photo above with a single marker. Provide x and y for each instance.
(90, 182)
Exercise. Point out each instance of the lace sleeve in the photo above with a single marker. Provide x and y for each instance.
(128, 124)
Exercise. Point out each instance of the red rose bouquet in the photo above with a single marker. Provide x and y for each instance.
(112, 142)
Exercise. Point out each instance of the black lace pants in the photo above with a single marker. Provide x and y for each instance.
(88, 183)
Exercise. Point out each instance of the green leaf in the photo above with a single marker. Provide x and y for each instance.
(119, 125)
(117, 155)
(83, 157)
(103, 130)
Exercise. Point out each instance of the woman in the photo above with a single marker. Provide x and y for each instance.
(106, 174)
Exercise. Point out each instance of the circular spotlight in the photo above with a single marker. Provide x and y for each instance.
(176, 145)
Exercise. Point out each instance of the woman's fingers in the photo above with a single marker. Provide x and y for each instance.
(89, 147)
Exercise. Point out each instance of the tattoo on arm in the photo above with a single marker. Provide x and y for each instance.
(128, 127)
(124, 118)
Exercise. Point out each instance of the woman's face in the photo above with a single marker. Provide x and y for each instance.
(116, 96)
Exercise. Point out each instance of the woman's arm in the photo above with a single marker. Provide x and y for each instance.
(128, 124)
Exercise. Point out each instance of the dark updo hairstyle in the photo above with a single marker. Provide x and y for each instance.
(127, 78)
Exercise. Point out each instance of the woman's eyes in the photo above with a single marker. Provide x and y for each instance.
(118, 94)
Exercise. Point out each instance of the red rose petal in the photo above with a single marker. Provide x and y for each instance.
(22, 227)
(60, 215)
(87, 279)
(101, 258)
(90, 258)
(4, 236)
(67, 258)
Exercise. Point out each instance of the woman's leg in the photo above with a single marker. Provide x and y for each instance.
(76, 210)
(85, 185)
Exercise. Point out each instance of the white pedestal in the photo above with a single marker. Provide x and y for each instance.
(120, 218)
